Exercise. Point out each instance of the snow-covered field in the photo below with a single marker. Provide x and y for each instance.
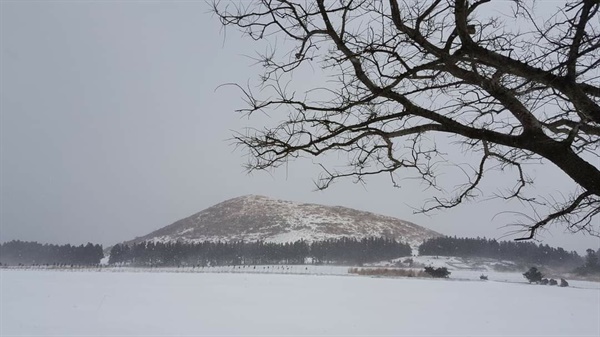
(142, 303)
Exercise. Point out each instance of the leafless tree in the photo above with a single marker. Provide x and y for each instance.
(512, 88)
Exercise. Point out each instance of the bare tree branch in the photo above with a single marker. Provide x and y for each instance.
(512, 91)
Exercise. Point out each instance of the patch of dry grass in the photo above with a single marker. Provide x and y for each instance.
(388, 272)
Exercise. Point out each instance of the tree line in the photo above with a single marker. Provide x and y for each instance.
(591, 265)
(527, 252)
(349, 251)
(342, 251)
(32, 253)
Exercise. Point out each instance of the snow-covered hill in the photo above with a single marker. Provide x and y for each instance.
(252, 218)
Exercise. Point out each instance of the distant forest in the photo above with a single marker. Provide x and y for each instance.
(527, 252)
(341, 251)
(348, 251)
(32, 253)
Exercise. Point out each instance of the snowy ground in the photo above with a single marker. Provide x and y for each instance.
(142, 303)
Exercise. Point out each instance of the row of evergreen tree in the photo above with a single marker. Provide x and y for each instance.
(342, 251)
(32, 253)
(592, 263)
(527, 252)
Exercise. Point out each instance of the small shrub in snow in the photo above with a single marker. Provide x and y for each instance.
(552, 282)
(544, 281)
(533, 275)
(441, 272)
(564, 283)
(483, 277)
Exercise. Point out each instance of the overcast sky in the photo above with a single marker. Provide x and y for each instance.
(111, 127)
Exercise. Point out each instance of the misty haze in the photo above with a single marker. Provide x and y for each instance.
(313, 167)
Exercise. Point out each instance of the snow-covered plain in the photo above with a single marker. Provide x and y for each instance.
(152, 303)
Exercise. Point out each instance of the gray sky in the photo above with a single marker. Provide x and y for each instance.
(111, 127)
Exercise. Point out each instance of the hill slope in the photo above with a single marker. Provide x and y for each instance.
(252, 218)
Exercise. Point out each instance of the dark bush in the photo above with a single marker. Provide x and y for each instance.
(441, 272)
(552, 282)
(564, 283)
(533, 275)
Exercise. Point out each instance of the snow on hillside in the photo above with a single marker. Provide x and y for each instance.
(218, 304)
(252, 218)
(452, 263)
(472, 268)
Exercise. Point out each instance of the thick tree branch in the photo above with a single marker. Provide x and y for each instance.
(398, 72)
